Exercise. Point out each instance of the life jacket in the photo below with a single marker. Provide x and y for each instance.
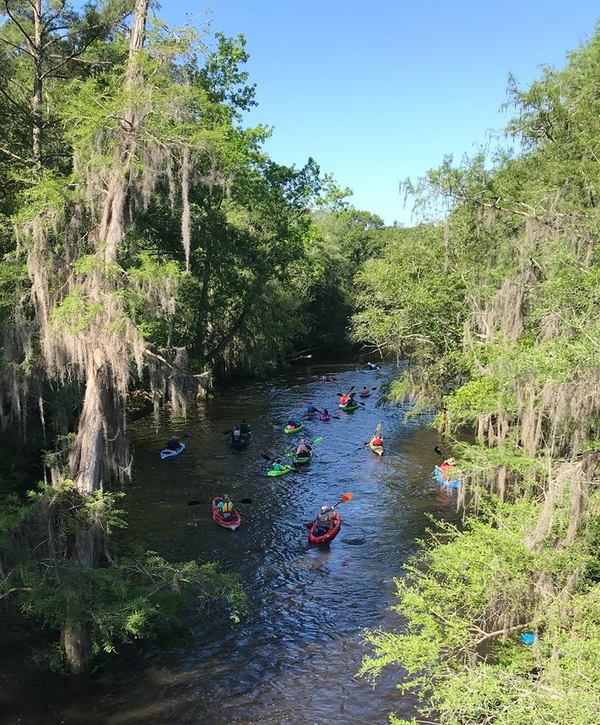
(344, 399)
(323, 521)
(237, 433)
(227, 507)
(377, 441)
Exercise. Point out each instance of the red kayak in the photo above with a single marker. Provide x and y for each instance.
(231, 523)
(364, 394)
(329, 536)
(325, 418)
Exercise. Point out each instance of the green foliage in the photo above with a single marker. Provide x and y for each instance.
(118, 601)
(518, 250)
(465, 599)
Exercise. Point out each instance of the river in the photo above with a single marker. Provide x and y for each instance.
(294, 655)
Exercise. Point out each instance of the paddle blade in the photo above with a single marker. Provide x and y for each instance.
(226, 432)
(193, 502)
(378, 427)
(264, 455)
(245, 500)
(346, 497)
(317, 440)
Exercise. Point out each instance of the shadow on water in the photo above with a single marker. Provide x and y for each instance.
(294, 655)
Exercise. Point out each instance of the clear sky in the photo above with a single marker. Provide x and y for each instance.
(379, 91)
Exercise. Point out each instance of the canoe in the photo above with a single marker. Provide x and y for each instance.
(242, 442)
(329, 536)
(325, 418)
(168, 453)
(376, 449)
(349, 408)
(232, 523)
(364, 394)
(297, 429)
(453, 483)
(284, 469)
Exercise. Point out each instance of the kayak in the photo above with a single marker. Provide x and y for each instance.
(453, 483)
(232, 523)
(376, 449)
(349, 408)
(297, 429)
(241, 442)
(325, 418)
(168, 453)
(364, 394)
(284, 469)
(302, 459)
(327, 537)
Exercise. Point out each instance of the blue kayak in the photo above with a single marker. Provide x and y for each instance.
(453, 483)
(168, 453)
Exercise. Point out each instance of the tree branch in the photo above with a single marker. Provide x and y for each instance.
(12, 155)
(17, 47)
(18, 24)
(13, 590)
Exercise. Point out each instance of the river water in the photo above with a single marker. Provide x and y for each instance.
(294, 655)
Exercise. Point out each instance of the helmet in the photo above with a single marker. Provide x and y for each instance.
(324, 509)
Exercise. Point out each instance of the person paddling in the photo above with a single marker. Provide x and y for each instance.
(173, 443)
(325, 521)
(225, 507)
(377, 440)
(446, 467)
(304, 450)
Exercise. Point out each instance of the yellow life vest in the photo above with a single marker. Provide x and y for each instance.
(227, 507)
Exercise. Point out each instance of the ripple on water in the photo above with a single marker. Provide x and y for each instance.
(294, 656)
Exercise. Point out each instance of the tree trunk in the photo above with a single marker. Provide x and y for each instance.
(88, 460)
(36, 99)
(75, 642)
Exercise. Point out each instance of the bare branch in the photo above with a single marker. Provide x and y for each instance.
(13, 590)
(21, 28)
(15, 46)
(12, 155)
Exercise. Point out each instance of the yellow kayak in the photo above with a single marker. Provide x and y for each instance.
(376, 449)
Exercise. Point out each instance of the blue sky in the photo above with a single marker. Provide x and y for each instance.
(379, 91)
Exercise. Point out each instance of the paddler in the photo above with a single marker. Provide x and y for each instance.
(225, 507)
(325, 521)
(304, 450)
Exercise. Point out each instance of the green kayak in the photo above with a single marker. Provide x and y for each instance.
(350, 408)
(297, 429)
(283, 470)
(302, 459)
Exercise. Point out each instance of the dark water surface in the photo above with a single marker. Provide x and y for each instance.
(294, 655)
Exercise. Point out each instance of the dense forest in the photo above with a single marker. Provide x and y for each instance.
(149, 246)
(498, 310)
